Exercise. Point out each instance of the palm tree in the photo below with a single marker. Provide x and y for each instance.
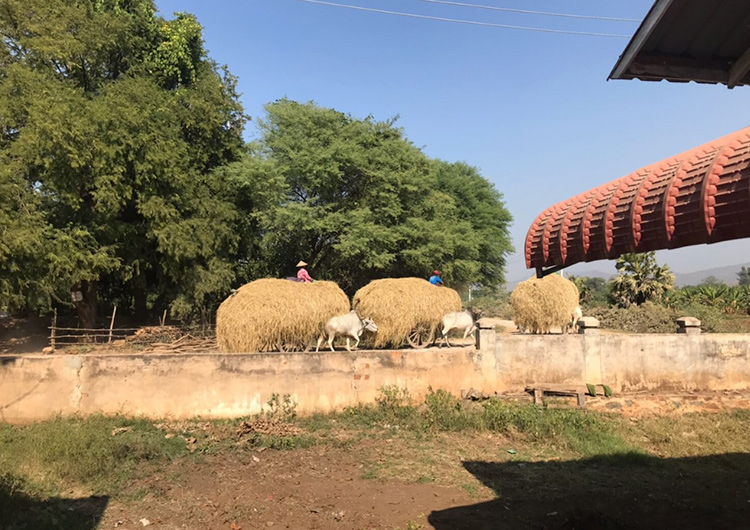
(640, 279)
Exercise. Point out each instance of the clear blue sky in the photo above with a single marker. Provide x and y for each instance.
(533, 111)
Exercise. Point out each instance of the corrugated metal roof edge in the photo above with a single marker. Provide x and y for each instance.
(641, 35)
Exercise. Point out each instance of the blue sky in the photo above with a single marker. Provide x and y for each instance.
(533, 111)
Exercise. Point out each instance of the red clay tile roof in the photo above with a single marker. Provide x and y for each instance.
(700, 196)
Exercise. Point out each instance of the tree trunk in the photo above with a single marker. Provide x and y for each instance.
(86, 307)
(139, 299)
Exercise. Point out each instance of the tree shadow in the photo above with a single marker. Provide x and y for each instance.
(617, 492)
(19, 511)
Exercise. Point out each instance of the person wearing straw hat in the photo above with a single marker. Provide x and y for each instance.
(302, 274)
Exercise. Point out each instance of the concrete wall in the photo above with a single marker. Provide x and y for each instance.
(627, 362)
(34, 387)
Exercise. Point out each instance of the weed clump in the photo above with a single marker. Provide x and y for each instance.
(273, 428)
(444, 412)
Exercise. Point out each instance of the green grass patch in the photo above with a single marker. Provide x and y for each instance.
(693, 434)
(96, 454)
(584, 433)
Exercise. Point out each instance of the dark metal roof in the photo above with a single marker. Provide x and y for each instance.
(700, 196)
(707, 41)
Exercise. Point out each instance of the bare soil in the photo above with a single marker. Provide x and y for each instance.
(451, 482)
(318, 488)
(23, 335)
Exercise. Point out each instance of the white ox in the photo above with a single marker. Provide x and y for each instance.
(349, 325)
(461, 320)
(574, 318)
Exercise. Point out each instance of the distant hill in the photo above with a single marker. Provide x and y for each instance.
(588, 273)
(727, 274)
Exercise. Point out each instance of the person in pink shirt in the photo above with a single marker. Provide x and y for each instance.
(302, 274)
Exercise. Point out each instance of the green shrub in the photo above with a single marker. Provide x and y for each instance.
(281, 408)
(654, 318)
(393, 408)
(444, 412)
(712, 318)
(495, 306)
(645, 318)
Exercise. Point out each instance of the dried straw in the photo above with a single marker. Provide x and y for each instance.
(399, 305)
(265, 313)
(541, 304)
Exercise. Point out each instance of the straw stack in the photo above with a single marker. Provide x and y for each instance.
(542, 304)
(400, 305)
(272, 314)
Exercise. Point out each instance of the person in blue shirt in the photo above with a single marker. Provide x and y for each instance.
(435, 278)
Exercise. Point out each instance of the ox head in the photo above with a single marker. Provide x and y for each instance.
(369, 325)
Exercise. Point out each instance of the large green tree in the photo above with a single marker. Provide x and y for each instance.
(640, 279)
(361, 202)
(478, 203)
(112, 120)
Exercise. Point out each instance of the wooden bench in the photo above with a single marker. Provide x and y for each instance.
(539, 390)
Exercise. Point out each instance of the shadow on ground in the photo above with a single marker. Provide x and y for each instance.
(21, 512)
(618, 492)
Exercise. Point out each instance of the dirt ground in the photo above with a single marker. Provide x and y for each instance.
(27, 335)
(319, 488)
(465, 483)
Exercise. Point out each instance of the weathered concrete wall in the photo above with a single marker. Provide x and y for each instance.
(34, 387)
(627, 362)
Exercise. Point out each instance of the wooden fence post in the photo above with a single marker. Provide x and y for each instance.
(112, 324)
(54, 325)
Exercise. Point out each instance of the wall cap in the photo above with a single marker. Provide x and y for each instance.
(688, 322)
(587, 322)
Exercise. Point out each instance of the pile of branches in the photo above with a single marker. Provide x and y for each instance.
(267, 427)
(171, 339)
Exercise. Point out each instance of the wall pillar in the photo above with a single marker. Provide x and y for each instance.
(486, 337)
(588, 326)
(688, 325)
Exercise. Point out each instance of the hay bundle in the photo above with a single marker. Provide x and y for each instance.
(271, 314)
(541, 304)
(400, 305)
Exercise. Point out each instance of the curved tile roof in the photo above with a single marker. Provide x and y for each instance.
(700, 196)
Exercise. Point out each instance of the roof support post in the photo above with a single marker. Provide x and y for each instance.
(541, 272)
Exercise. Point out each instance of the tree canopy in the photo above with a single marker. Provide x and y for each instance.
(640, 279)
(362, 202)
(112, 120)
(743, 276)
(125, 179)
(712, 280)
